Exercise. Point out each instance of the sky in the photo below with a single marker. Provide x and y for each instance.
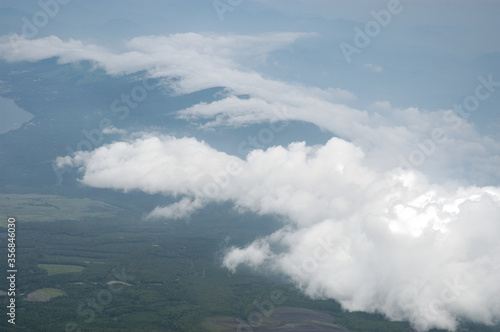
(390, 205)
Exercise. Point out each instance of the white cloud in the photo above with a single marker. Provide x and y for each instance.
(388, 242)
(373, 68)
(191, 62)
(185, 164)
(253, 255)
(179, 210)
(114, 131)
(358, 229)
(174, 54)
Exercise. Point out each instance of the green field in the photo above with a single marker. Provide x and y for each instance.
(60, 269)
(44, 208)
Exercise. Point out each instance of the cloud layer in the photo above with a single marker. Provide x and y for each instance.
(190, 62)
(388, 242)
(374, 231)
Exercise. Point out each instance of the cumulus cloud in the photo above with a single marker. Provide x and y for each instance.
(390, 242)
(185, 164)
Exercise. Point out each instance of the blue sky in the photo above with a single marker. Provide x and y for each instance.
(390, 199)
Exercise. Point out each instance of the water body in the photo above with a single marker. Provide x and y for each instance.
(12, 117)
